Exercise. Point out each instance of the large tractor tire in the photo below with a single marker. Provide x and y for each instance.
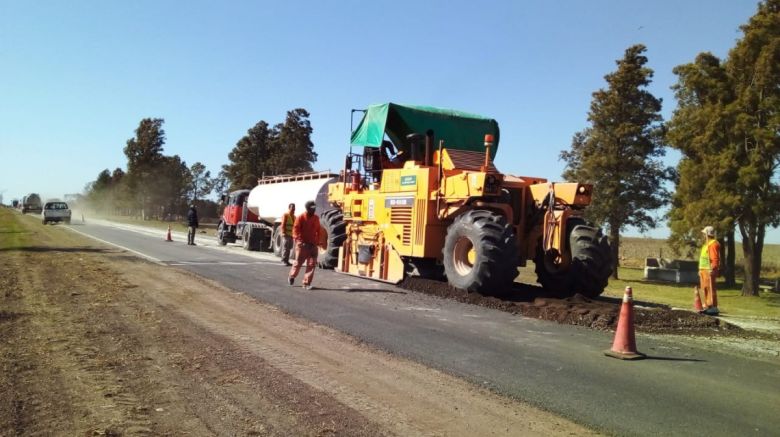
(480, 254)
(590, 266)
(332, 221)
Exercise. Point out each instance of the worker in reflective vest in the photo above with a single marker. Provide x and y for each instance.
(288, 219)
(306, 233)
(709, 264)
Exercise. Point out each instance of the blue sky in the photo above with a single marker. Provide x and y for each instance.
(77, 77)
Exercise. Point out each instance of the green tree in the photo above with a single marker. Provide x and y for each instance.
(144, 156)
(754, 68)
(702, 129)
(171, 193)
(221, 183)
(200, 184)
(249, 158)
(619, 153)
(266, 151)
(103, 181)
(292, 150)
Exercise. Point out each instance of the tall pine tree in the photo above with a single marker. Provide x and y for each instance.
(144, 157)
(726, 125)
(754, 68)
(701, 129)
(293, 152)
(249, 158)
(619, 153)
(264, 151)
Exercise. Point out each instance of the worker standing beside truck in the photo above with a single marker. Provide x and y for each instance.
(288, 220)
(306, 233)
(709, 263)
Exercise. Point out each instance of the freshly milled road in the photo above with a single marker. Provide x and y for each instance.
(680, 390)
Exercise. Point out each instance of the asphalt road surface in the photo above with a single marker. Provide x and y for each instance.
(680, 389)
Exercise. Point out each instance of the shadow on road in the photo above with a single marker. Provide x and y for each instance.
(360, 290)
(656, 358)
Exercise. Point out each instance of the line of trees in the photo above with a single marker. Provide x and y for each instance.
(726, 126)
(159, 186)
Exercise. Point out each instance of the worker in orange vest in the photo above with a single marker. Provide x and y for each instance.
(288, 220)
(709, 265)
(306, 233)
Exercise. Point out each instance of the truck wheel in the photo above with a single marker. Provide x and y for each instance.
(336, 229)
(590, 266)
(480, 253)
(221, 240)
(278, 241)
(255, 240)
(245, 238)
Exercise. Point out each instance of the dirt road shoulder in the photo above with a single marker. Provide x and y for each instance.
(98, 341)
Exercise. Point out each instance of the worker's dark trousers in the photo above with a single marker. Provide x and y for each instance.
(287, 244)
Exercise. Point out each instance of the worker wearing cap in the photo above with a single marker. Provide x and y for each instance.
(709, 264)
(306, 233)
(288, 220)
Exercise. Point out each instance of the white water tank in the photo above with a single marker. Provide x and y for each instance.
(272, 195)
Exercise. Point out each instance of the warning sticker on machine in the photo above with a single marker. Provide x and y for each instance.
(392, 202)
(408, 180)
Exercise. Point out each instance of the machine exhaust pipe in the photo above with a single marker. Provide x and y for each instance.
(429, 148)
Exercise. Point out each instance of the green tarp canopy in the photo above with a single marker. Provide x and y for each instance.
(459, 130)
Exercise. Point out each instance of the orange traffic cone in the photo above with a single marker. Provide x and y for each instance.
(697, 299)
(624, 346)
(168, 238)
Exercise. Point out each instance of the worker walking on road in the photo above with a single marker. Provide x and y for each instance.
(288, 220)
(306, 233)
(709, 264)
(192, 225)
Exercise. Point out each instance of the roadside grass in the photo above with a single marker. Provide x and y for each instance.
(633, 252)
(730, 301)
(12, 234)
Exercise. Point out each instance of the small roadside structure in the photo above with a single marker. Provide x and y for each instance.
(678, 271)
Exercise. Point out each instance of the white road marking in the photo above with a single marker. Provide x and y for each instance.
(143, 255)
(221, 263)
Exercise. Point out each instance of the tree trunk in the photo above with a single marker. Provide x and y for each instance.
(752, 246)
(614, 243)
(730, 258)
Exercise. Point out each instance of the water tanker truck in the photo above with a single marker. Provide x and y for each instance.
(422, 196)
(32, 203)
(253, 216)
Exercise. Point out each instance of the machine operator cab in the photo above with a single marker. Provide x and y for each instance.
(390, 136)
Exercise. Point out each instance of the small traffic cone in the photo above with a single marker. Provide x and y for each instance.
(624, 346)
(697, 300)
(168, 238)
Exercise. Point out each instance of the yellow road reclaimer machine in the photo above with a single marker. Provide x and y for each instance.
(423, 197)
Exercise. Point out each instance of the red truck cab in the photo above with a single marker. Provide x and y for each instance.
(239, 223)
